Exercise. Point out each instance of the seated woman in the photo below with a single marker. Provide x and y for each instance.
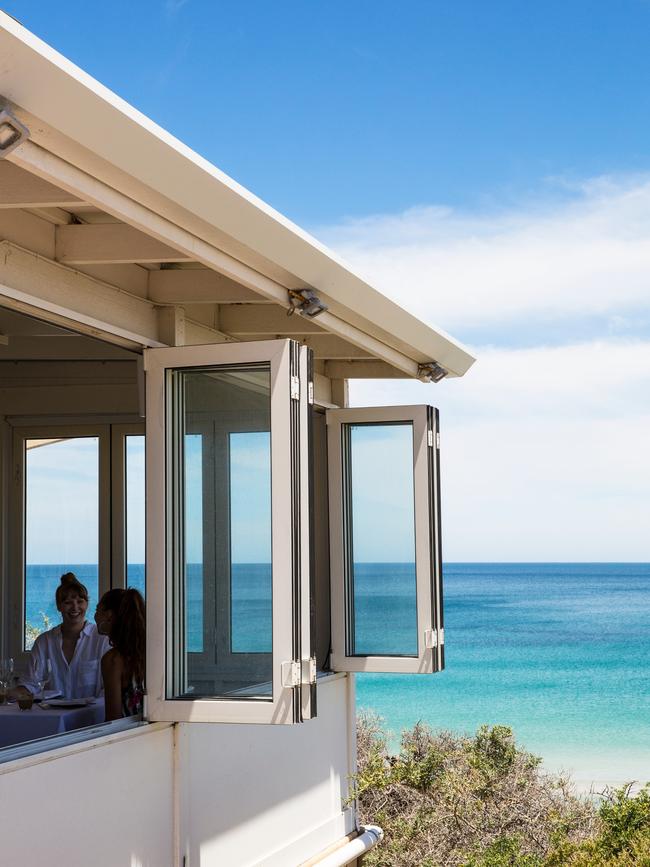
(74, 647)
(120, 615)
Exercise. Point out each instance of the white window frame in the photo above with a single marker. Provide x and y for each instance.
(428, 565)
(119, 433)
(291, 663)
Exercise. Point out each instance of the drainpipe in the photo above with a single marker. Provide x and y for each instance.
(369, 836)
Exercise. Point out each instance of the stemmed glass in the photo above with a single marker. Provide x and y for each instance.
(44, 675)
(6, 672)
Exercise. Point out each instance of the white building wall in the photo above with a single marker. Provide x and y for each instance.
(106, 803)
(270, 795)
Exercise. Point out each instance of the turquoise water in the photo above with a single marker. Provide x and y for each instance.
(560, 652)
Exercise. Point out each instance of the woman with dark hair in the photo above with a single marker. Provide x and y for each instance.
(120, 615)
(73, 649)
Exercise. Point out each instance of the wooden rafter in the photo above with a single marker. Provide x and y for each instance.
(106, 243)
(21, 189)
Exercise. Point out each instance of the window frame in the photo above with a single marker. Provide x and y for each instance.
(119, 517)
(427, 527)
(290, 537)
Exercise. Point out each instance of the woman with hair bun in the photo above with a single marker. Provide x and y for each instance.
(120, 615)
(74, 647)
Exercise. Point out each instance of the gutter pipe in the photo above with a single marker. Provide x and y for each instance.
(369, 836)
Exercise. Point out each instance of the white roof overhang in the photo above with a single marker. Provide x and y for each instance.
(92, 144)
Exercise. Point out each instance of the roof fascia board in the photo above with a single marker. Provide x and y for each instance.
(69, 102)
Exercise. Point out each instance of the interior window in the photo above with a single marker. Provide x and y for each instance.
(61, 524)
(134, 510)
(194, 575)
(250, 542)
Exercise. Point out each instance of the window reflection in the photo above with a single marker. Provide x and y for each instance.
(381, 567)
(222, 647)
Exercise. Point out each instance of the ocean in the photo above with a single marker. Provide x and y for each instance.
(559, 652)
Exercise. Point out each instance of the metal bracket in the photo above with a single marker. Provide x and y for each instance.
(430, 438)
(310, 392)
(295, 388)
(431, 372)
(306, 302)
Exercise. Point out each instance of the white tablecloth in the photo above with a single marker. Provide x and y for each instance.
(18, 725)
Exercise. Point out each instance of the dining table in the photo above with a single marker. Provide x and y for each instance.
(18, 726)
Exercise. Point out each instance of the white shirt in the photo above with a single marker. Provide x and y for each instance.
(81, 678)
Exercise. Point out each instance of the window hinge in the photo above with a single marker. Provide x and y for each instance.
(438, 439)
(441, 636)
(290, 674)
(310, 392)
(430, 438)
(430, 638)
(295, 388)
(309, 670)
(298, 673)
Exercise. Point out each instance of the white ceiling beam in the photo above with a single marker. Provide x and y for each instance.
(198, 286)
(248, 321)
(328, 347)
(57, 216)
(47, 165)
(21, 189)
(108, 243)
(360, 369)
(39, 287)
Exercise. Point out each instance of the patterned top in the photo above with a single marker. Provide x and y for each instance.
(132, 699)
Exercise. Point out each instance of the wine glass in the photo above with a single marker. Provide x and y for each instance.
(44, 675)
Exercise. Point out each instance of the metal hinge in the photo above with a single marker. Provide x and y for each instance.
(298, 673)
(309, 670)
(437, 439)
(295, 388)
(430, 438)
(310, 392)
(430, 638)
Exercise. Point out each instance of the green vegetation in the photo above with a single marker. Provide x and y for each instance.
(450, 801)
(32, 632)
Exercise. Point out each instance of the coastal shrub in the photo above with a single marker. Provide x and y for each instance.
(458, 801)
(32, 631)
(622, 838)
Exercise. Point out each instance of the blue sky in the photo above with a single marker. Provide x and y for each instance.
(328, 109)
(488, 166)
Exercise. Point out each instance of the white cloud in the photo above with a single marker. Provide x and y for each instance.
(544, 452)
(585, 253)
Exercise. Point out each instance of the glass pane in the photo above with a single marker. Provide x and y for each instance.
(61, 524)
(135, 539)
(194, 541)
(222, 587)
(382, 552)
(250, 542)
